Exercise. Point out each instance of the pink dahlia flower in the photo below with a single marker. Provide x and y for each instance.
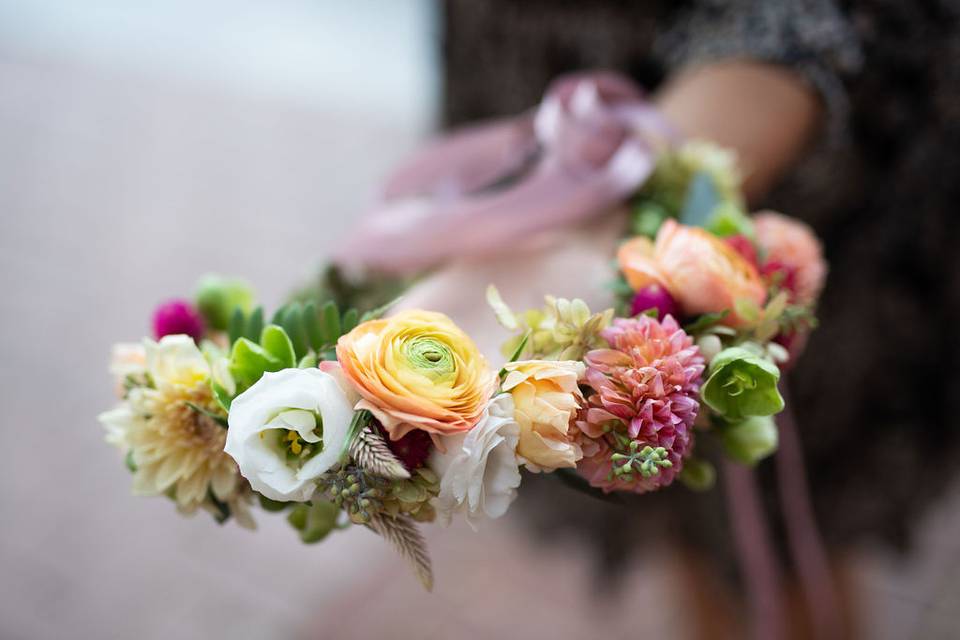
(640, 416)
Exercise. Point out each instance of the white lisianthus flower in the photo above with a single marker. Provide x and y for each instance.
(480, 473)
(288, 429)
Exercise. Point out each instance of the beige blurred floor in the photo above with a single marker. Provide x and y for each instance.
(118, 190)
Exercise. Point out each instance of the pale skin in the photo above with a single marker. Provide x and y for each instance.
(766, 113)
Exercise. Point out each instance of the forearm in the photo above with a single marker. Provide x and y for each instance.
(765, 112)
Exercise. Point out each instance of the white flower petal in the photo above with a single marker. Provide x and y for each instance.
(480, 470)
(285, 400)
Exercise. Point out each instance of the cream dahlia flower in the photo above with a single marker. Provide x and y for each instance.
(174, 443)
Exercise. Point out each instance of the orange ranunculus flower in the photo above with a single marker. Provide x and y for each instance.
(638, 265)
(702, 272)
(792, 245)
(417, 370)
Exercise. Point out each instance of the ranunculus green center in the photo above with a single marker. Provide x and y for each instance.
(430, 357)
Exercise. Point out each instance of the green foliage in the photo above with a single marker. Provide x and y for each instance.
(365, 292)
(314, 330)
(742, 384)
(750, 440)
(299, 335)
(128, 460)
(243, 325)
(705, 321)
(701, 200)
(315, 520)
(272, 505)
(646, 218)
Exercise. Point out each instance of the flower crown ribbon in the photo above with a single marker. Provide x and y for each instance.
(591, 142)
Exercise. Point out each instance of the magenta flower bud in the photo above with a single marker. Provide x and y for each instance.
(177, 316)
(653, 297)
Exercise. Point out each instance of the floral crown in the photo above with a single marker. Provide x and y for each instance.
(338, 417)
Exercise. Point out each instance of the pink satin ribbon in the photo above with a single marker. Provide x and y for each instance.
(590, 143)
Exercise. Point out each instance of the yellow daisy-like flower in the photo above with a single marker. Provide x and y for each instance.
(417, 370)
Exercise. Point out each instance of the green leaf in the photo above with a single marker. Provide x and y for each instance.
(706, 321)
(222, 513)
(517, 351)
(236, 325)
(646, 218)
(350, 320)
(747, 309)
(360, 419)
(311, 325)
(293, 325)
(272, 505)
(128, 460)
(701, 200)
(314, 521)
(277, 343)
(308, 361)
(330, 322)
(249, 361)
(221, 420)
(254, 324)
(376, 314)
(221, 396)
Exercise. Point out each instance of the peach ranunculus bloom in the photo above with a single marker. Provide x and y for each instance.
(703, 273)
(546, 400)
(417, 370)
(791, 244)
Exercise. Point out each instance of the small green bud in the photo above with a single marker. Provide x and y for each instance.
(751, 440)
(217, 297)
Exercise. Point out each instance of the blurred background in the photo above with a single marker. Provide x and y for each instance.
(145, 143)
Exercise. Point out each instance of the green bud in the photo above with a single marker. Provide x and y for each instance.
(751, 440)
(698, 474)
(742, 384)
(217, 297)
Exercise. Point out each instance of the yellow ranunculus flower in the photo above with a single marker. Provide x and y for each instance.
(546, 400)
(417, 370)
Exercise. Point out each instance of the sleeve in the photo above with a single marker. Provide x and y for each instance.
(812, 37)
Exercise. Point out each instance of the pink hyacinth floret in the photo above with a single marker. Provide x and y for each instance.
(646, 388)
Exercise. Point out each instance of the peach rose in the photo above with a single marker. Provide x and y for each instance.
(792, 245)
(703, 273)
(546, 398)
(417, 370)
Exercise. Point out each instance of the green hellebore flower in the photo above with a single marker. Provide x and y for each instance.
(217, 297)
(742, 384)
(750, 441)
